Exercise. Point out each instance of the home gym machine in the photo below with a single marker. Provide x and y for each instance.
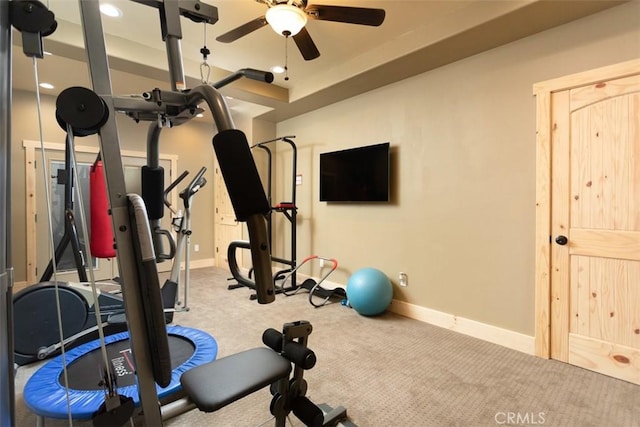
(216, 384)
(37, 334)
(290, 212)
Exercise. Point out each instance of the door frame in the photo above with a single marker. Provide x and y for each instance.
(223, 223)
(543, 92)
(30, 148)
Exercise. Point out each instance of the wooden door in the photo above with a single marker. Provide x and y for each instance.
(38, 241)
(226, 228)
(103, 269)
(594, 229)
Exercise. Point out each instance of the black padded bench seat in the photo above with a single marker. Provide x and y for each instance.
(216, 384)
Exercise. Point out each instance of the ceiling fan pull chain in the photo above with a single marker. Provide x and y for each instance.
(286, 59)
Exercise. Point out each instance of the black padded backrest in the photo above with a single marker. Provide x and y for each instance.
(240, 174)
(150, 292)
(249, 203)
(153, 191)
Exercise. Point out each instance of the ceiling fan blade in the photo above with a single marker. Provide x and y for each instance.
(346, 14)
(306, 46)
(242, 30)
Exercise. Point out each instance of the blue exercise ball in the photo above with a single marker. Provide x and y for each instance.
(369, 291)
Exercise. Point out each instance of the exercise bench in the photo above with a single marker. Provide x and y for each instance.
(214, 385)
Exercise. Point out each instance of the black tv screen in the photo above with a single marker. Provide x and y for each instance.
(355, 175)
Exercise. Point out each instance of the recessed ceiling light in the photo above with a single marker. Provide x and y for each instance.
(199, 115)
(110, 10)
(278, 69)
(46, 85)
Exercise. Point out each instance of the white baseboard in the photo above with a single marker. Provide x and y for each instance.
(327, 284)
(18, 286)
(201, 263)
(483, 331)
(198, 263)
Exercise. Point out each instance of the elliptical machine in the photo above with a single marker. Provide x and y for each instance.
(182, 226)
(36, 331)
(37, 335)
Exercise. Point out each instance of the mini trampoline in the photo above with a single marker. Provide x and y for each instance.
(45, 393)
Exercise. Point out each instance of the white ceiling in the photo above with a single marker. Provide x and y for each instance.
(416, 36)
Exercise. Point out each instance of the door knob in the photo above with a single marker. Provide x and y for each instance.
(562, 240)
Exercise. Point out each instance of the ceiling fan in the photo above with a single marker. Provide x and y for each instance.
(288, 18)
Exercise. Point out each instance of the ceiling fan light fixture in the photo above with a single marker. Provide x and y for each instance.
(285, 19)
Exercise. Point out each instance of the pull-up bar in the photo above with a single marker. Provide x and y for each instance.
(170, 12)
(281, 138)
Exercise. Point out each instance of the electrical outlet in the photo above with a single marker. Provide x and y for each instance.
(404, 280)
(196, 248)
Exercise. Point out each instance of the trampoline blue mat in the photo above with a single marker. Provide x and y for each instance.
(45, 394)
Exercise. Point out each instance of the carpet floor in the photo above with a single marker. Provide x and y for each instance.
(390, 370)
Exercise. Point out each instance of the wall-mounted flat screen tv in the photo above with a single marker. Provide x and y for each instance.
(359, 174)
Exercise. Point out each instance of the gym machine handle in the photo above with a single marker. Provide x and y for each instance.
(295, 352)
(172, 244)
(194, 186)
(300, 355)
(307, 412)
(272, 339)
(171, 187)
(250, 73)
(166, 233)
(333, 261)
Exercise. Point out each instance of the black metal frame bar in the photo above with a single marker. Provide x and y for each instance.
(7, 401)
(114, 172)
(122, 226)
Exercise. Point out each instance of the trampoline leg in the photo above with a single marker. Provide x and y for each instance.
(39, 421)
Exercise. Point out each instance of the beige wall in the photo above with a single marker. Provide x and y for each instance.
(191, 142)
(461, 222)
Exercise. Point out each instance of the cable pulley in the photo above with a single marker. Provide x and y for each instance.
(82, 109)
(34, 21)
(32, 17)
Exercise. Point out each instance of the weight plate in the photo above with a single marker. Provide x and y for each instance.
(81, 108)
(32, 17)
